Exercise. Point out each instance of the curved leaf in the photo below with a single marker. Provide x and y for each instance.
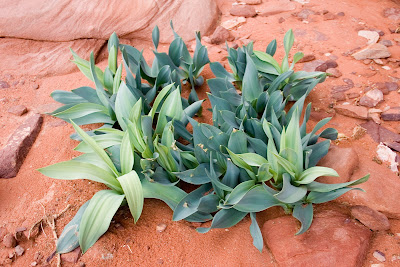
(97, 217)
(133, 191)
(303, 213)
(313, 173)
(73, 170)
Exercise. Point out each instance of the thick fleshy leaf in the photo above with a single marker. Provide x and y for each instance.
(238, 142)
(69, 240)
(172, 108)
(255, 232)
(123, 104)
(257, 199)
(117, 79)
(290, 193)
(80, 110)
(155, 36)
(288, 41)
(126, 154)
(220, 72)
(95, 147)
(112, 46)
(66, 97)
(188, 205)
(84, 67)
(101, 93)
(133, 191)
(103, 141)
(215, 180)
(73, 170)
(269, 59)
(318, 151)
(271, 48)
(87, 93)
(195, 176)
(238, 161)
(292, 140)
(251, 88)
(97, 217)
(238, 192)
(224, 219)
(209, 203)
(171, 195)
(313, 173)
(321, 197)
(278, 81)
(321, 187)
(253, 159)
(303, 213)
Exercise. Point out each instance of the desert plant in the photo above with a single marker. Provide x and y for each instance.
(259, 69)
(236, 181)
(181, 66)
(140, 163)
(86, 105)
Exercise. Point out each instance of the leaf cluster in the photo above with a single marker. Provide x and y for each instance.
(257, 153)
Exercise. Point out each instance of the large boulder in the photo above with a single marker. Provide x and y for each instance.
(67, 20)
(334, 239)
(28, 57)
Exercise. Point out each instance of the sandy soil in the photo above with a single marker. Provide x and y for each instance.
(29, 196)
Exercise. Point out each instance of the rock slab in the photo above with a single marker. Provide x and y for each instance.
(392, 114)
(372, 98)
(44, 58)
(373, 51)
(371, 218)
(342, 160)
(332, 240)
(13, 154)
(357, 112)
(243, 11)
(97, 19)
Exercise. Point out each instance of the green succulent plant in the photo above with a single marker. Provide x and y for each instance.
(254, 156)
(177, 64)
(256, 69)
(238, 177)
(135, 162)
(86, 105)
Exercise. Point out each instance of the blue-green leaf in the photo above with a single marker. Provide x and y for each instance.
(97, 217)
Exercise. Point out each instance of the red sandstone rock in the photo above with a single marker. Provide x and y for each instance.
(13, 154)
(371, 218)
(72, 20)
(72, 256)
(357, 112)
(221, 35)
(332, 240)
(9, 241)
(392, 114)
(18, 110)
(243, 11)
(371, 98)
(342, 160)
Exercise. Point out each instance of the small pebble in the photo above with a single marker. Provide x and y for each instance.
(161, 227)
(380, 256)
(4, 84)
(35, 86)
(19, 250)
(9, 241)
